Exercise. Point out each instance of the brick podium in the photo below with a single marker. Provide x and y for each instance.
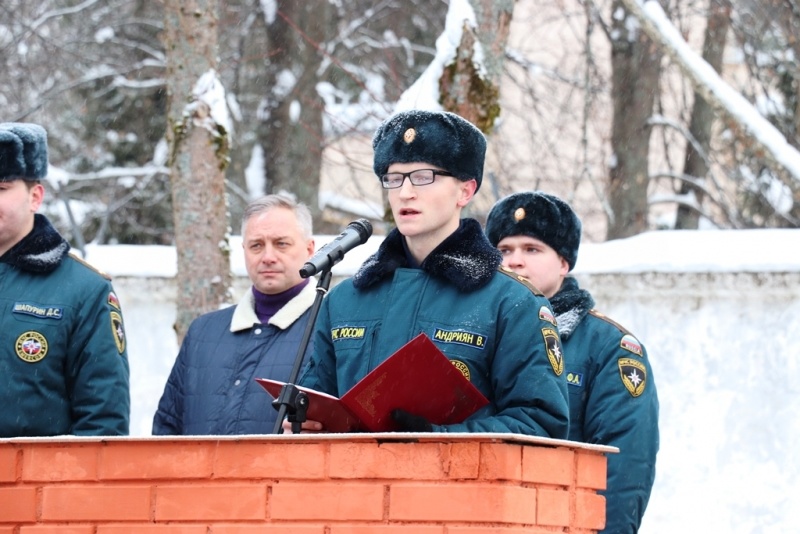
(306, 484)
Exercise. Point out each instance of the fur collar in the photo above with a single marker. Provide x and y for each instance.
(41, 251)
(570, 304)
(465, 259)
(244, 316)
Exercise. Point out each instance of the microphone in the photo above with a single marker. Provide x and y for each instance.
(356, 233)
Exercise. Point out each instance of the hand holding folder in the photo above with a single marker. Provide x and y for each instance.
(417, 378)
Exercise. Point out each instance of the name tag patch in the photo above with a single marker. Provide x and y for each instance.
(348, 332)
(461, 337)
(35, 310)
(575, 379)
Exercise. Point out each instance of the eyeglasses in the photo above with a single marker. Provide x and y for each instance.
(393, 180)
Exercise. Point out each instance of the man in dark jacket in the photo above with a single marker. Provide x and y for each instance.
(212, 387)
(63, 364)
(436, 273)
(613, 398)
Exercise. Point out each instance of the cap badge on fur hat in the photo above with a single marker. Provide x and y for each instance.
(436, 138)
(538, 215)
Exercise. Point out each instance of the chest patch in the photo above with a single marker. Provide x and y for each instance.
(348, 332)
(461, 366)
(31, 347)
(461, 337)
(35, 310)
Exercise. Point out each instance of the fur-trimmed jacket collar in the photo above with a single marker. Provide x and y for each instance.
(244, 316)
(465, 259)
(570, 304)
(41, 251)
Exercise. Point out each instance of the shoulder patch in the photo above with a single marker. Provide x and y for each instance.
(521, 279)
(631, 344)
(89, 265)
(552, 343)
(118, 331)
(633, 374)
(546, 315)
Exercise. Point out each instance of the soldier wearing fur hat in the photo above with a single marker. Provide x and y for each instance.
(63, 363)
(613, 398)
(436, 273)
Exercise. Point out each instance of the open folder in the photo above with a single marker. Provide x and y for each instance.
(417, 378)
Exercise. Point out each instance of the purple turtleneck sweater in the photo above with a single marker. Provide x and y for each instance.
(268, 305)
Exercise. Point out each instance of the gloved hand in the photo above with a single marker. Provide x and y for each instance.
(408, 422)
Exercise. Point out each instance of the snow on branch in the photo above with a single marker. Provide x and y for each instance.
(712, 87)
(424, 93)
(210, 91)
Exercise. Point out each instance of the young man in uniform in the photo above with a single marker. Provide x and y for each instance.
(612, 397)
(63, 364)
(436, 273)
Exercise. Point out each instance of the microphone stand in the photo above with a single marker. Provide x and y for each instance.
(291, 402)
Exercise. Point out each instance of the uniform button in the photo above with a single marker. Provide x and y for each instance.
(257, 331)
(237, 382)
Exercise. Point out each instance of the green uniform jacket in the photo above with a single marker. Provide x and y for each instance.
(475, 314)
(612, 401)
(63, 364)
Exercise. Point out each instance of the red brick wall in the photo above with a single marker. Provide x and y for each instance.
(297, 485)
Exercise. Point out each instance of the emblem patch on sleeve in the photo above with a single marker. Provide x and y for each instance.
(31, 346)
(633, 374)
(554, 353)
(631, 344)
(118, 331)
(113, 300)
(546, 315)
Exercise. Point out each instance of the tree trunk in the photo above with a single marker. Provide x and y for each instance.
(471, 90)
(291, 130)
(696, 163)
(636, 68)
(198, 155)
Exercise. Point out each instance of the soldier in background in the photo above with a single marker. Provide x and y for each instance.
(612, 396)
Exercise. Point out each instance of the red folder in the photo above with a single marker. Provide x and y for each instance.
(417, 378)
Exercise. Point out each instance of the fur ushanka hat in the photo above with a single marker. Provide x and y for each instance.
(23, 151)
(440, 138)
(538, 215)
